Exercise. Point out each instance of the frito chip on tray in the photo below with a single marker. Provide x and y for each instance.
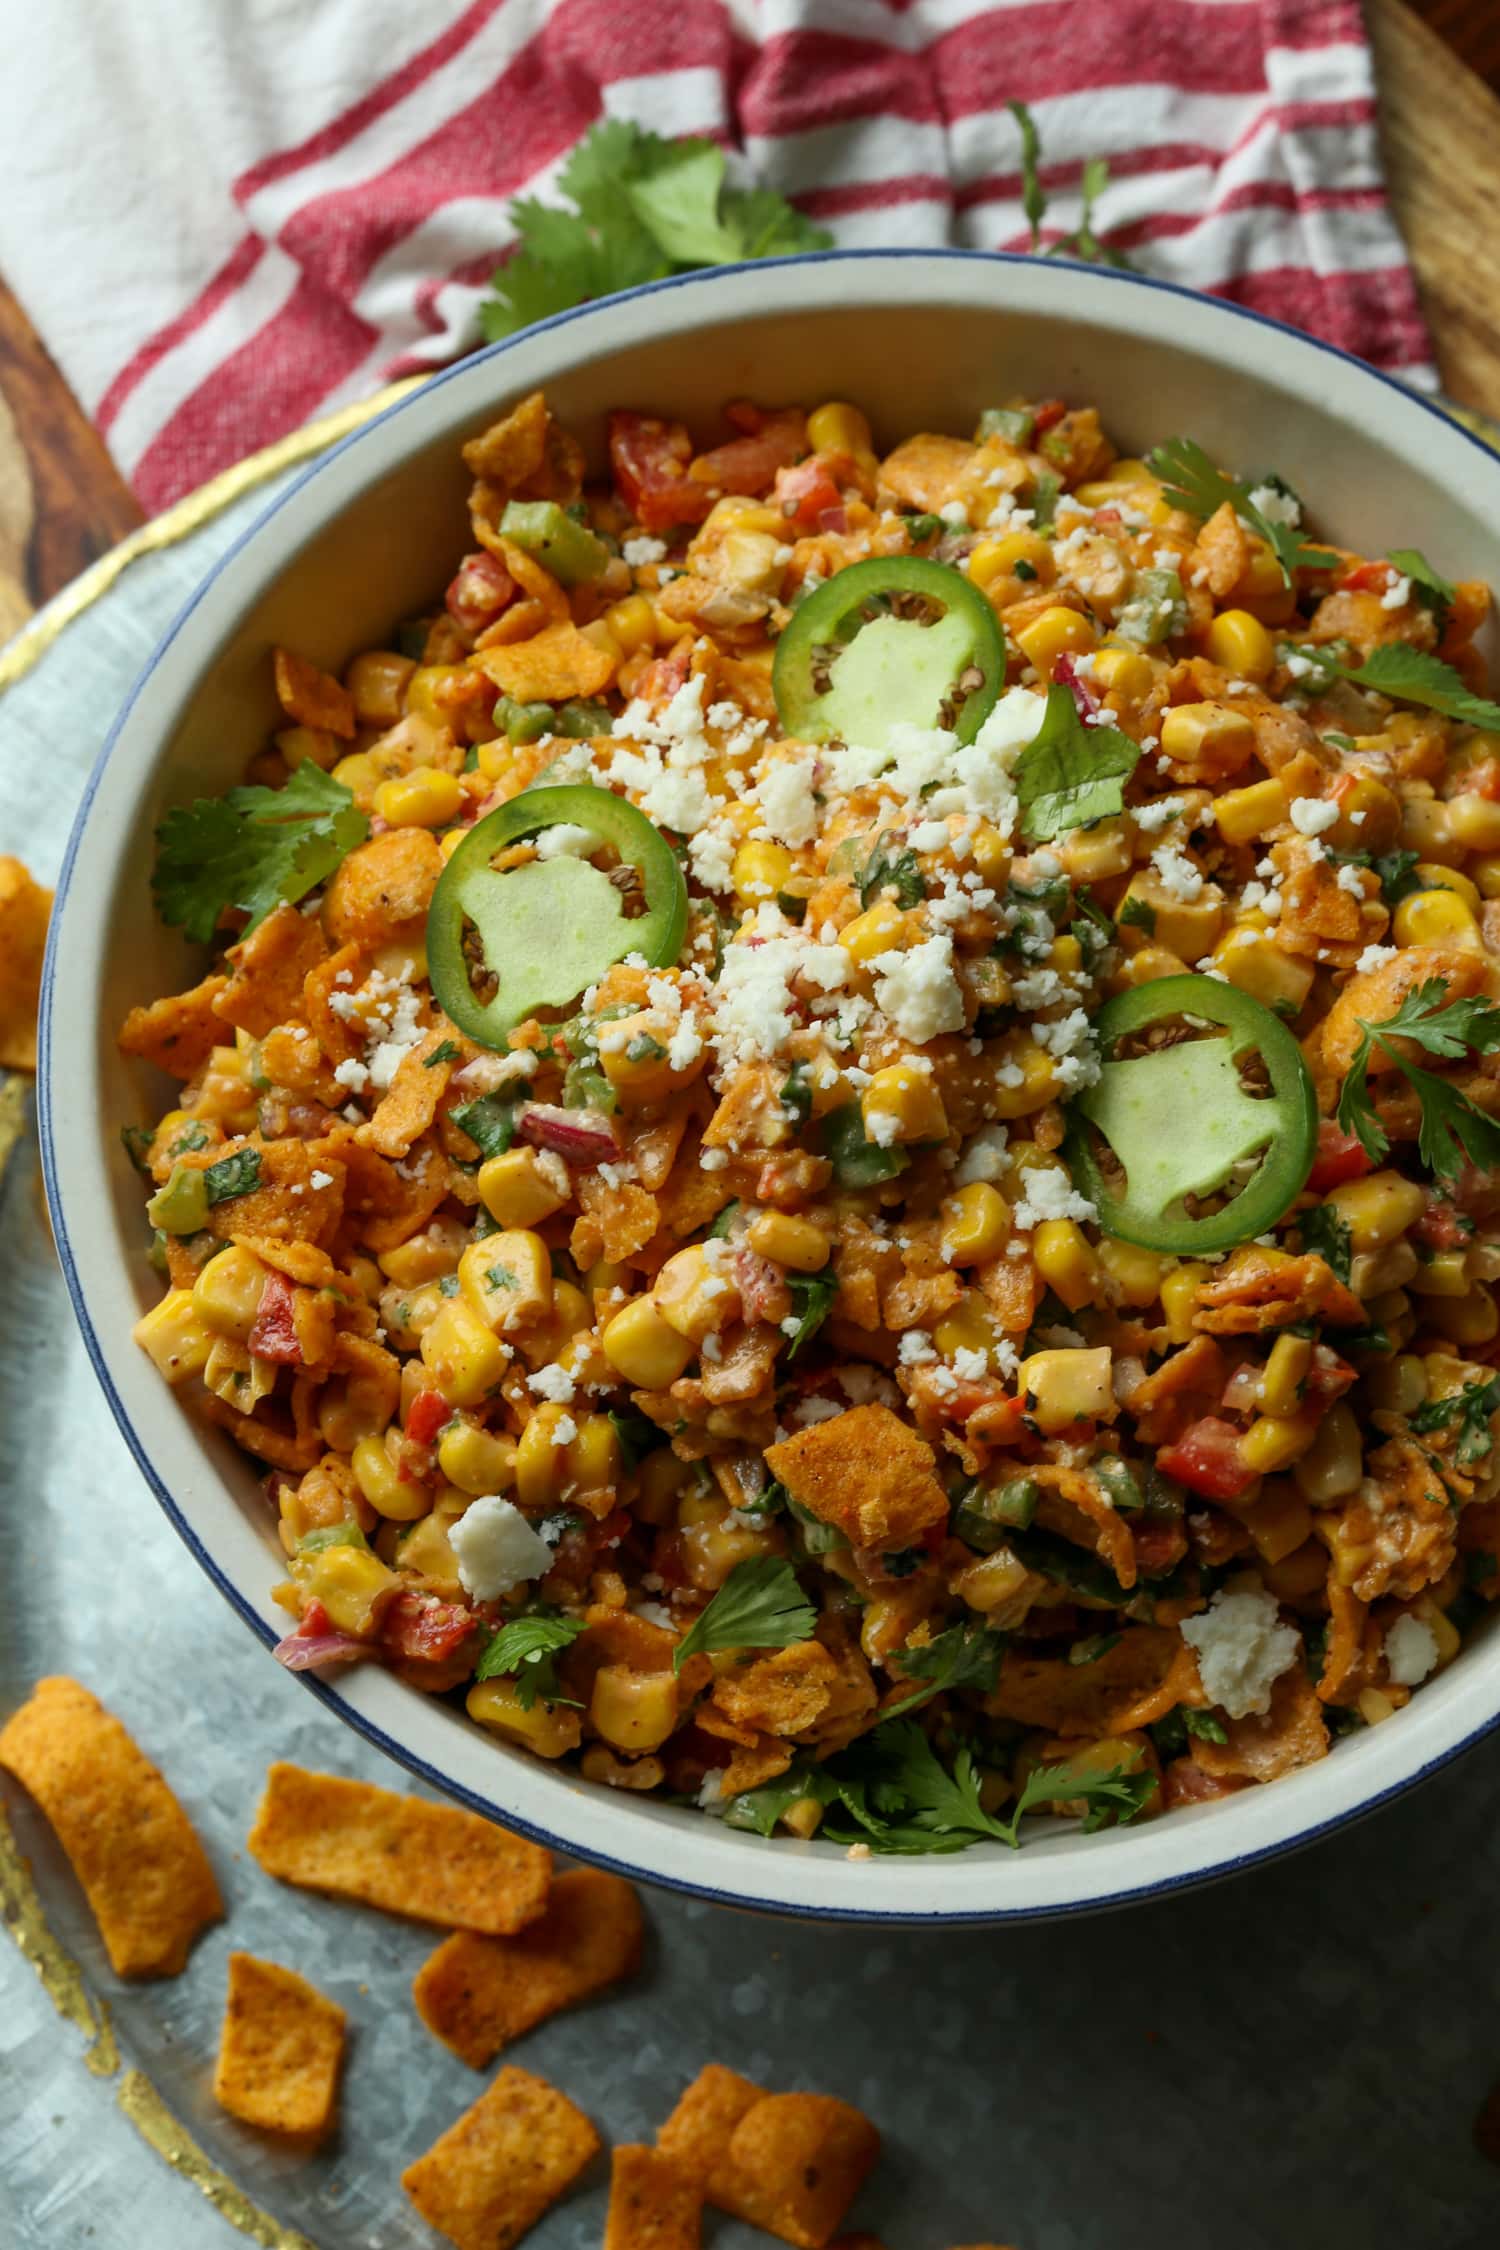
(477, 1994)
(132, 1847)
(697, 2134)
(653, 2204)
(491, 2176)
(24, 908)
(794, 2165)
(432, 1863)
(279, 2051)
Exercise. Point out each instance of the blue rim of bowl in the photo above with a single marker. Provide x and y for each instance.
(329, 1696)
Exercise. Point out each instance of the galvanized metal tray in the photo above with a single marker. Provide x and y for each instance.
(1291, 2058)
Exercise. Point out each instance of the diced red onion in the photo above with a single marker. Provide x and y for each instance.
(305, 1652)
(583, 1136)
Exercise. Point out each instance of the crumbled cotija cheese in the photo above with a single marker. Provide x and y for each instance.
(1310, 816)
(1242, 1648)
(496, 1548)
(1180, 879)
(917, 990)
(1411, 1651)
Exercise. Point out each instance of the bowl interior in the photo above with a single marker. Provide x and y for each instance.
(372, 535)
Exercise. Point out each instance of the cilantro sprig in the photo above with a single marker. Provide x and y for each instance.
(1452, 1126)
(642, 208)
(759, 1605)
(1467, 1415)
(1438, 592)
(252, 850)
(1327, 1236)
(1191, 482)
(1083, 243)
(1070, 774)
(529, 1647)
(967, 1655)
(812, 1298)
(1411, 675)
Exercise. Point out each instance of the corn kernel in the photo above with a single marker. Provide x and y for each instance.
(635, 1711)
(881, 929)
(520, 1188)
(990, 853)
(692, 1297)
(1132, 1274)
(303, 746)
(1018, 1050)
(1066, 1262)
(1427, 830)
(1284, 1374)
(423, 798)
(1474, 821)
(1252, 962)
(1187, 927)
(658, 1485)
(1145, 966)
(402, 1500)
(462, 1354)
(969, 1327)
(1398, 1384)
(174, 1337)
(1279, 1520)
(426, 1256)
(791, 1242)
(1241, 645)
(378, 679)
(1179, 1299)
(1443, 1275)
(633, 623)
(975, 1221)
(902, 1103)
(1057, 632)
(360, 776)
(1275, 1441)
(997, 558)
(594, 1462)
(1241, 815)
(644, 1348)
(1065, 954)
(1063, 1387)
(803, 1817)
(1374, 1707)
(1378, 1209)
(550, 1730)
(1215, 731)
(759, 870)
(1092, 855)
(1333, 1464)
(1369, 815)
(227, 1293)
(353, 1585)
(1471, 1319)
(1486, 873)
(477, 1461)
(1437, 917)
(1433, 876)
(1125, 674)
(996, 1583)
(507, 1279)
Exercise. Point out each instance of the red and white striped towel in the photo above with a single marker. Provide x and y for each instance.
(226, 220)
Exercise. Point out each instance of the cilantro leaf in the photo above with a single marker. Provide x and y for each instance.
(1191, 482)
(447, 1051)
(857, 1161)
(1452, 1126)
(1071, 775)
(529, 1647)
(966, 1656)
(890, 869)
(641, 208)
(252, 850)
(1467, 1414)
(1033, 194)
(232, 1175)
(1410, 675)
(1439, 592)
(1326, 1236)
(812, 1296)
(759, 1605)
(911, 1801)
(489, 1120)
(1138, 914)
(1203, 1724)
(760, 1809)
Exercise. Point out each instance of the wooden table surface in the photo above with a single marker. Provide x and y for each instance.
(62, 501)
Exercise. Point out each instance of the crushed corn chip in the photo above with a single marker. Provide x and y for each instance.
(280, 2050)
(653, 2205)
(311, 698)
(794, 2165)
(867, 1472)
(270, 968)
(433, 1863)
(698, 2132)
(179, 1033)
(549, 668)
(131, 1845)
(491, 2176)
(24, 908)
(478, 1994)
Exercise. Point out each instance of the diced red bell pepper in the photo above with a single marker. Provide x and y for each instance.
(1339, 1158)
(1365, 578)
(810, 489)
(649, 460)
(1328, 1377)
(1207, 1458)
(1050, 412)
(482, 589)
(273, 1333)
(1065, 674)
(423, 1631)
(1159, 1545)
(428, 1411)
(749, 464)
(1442, 1227)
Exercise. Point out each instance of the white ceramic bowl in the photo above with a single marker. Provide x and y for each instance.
(921, 340)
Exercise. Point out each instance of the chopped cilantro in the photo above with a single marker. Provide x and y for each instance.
(489, 1121)
(447, 1052)
(812, 1296)
(965, 1656)
(1326, 1235)
(1467, 1415)
(1452, 1127)
(529, 1647)
(233, 1175)
(252, 850)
